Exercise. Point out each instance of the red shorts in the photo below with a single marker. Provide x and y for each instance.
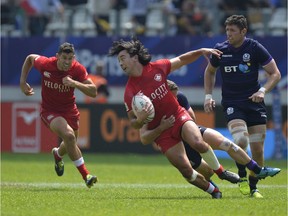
(72, 119)
(172, 136)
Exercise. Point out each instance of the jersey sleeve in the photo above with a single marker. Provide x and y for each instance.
(164, 64)
(182, 100)
(262, 54)
(214, 61)
(40, 62)
(82, 73)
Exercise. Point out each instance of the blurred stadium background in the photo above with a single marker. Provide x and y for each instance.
(166, 27)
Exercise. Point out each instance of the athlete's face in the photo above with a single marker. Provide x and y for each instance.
(127, 63)
(235, 36)
(64, 61)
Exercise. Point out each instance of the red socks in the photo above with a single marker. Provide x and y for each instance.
(84, 172)
(219, 171)
(56, 156)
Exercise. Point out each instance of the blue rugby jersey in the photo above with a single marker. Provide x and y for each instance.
(239, 68)
(182, 100)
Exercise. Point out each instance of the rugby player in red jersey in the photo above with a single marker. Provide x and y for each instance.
(150, 79)
(215, 139)
(60, 76)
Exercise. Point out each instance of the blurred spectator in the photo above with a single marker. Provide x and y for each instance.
(102, 85)
(278, 3)
(100, 11)
(120, 4)
(229, 8)
(7, 12)
(191, 20)
(261, 3)
(73, 7)
(39, 13)
(138, 10)
(74, 2)
(170, 10)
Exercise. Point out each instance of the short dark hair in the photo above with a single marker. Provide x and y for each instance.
(239, 20)
(133, 47)
(66, 48)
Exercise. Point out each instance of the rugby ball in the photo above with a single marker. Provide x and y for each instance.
(139, 102)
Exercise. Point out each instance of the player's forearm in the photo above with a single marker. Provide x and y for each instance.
(87, 89)
(136, 124)
(209, 82)
(273, 75)
(149, 136)
(191, 56)
(272, 81)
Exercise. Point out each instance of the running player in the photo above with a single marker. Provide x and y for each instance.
(60, 76)
(242, 96)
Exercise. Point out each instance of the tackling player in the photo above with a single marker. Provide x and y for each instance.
(215, 139)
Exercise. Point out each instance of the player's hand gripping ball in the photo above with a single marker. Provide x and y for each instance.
(139, 102)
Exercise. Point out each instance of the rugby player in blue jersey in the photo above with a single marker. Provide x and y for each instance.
(242, 96)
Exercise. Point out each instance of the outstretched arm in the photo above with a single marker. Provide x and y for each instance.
(26, 67)
(192, 56)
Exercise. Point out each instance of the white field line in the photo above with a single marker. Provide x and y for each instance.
(118, 185)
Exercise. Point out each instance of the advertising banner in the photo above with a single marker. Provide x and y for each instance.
(104, 128)
(22, 130)
(26, 134)
(91, 50)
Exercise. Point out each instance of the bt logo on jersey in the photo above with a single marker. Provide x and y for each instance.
(229, 69)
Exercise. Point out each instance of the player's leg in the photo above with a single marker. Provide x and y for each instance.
(218, 141)
(257, 137)
(177, 157)
(191, 134)
(239, 132)
(69, 136)
(58, 157)
(60, 126)
(197, 163)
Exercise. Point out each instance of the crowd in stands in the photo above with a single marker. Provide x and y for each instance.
(142, 17)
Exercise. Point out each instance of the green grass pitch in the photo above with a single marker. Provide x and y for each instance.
(128, 185)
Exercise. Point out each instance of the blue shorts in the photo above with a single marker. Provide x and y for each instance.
(194, 156)
(252, 113)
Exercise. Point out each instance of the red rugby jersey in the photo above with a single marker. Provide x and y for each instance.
(55, 96)
(153, 84)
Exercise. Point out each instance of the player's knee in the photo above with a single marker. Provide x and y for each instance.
(192, 177)
(69, 137)
(186, 172)
(242, 140)
(227, 144)
(239, 132)
(200, 146)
